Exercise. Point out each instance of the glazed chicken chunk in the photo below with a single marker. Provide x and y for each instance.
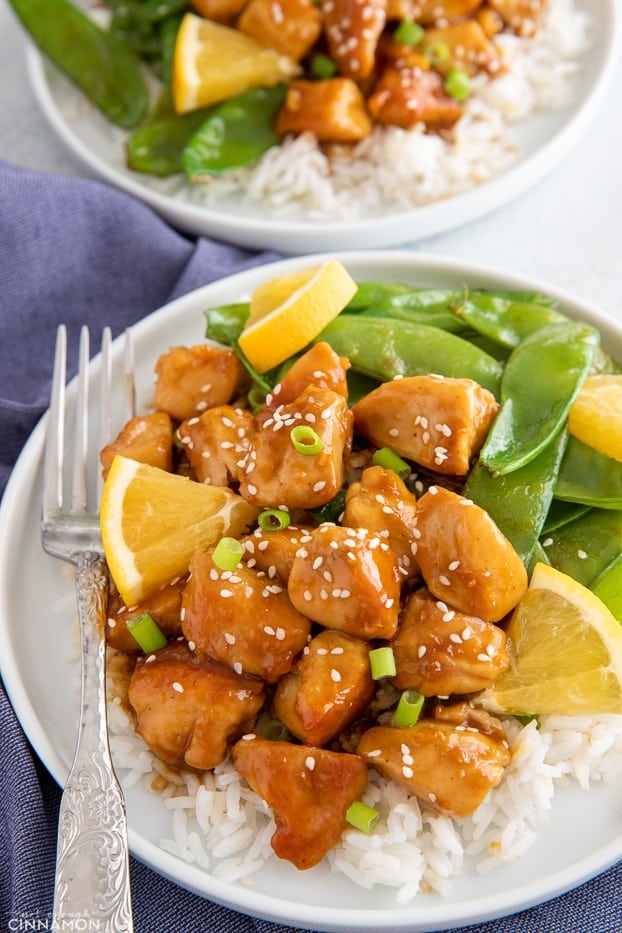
(277, 472)
(190, 380)
(451, 765)
(381, 502)
(352, 29)
(164, 607)
(309, 790)
(187, 710)
(438, 422)
(241, 618)
(407, 95)
(464, 558)
(217, 443)
(332, 109)
(347, 579)
(148, 439)
(273, 552)
(291, 27)
(320, 366)
(328, 688)
(440, 651)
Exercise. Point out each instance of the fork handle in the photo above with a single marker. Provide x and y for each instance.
(92, 862)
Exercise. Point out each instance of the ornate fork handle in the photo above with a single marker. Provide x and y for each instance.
(92, 867)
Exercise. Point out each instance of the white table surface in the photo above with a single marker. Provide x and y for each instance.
(567, 230)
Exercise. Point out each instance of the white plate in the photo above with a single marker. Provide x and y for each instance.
(543, 140)
(37, 641)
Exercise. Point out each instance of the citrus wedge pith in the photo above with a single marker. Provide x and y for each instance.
(565, 652)
(289, 311)
(152, 522)
(596, 414)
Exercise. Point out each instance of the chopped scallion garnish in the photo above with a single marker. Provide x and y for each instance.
(256, 398)
(382, 662)
(385, 457)
(457, 84)
(306, 440)
(273, 519)
(275, 731)
(323, 67)
(146, 633)
(228, 553)
(438, 52)
(409, 708)
(408, 33)
(361, 816)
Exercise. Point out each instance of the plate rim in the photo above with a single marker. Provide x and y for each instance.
(414, 916)
(308, 235)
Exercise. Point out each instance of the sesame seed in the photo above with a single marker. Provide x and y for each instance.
(237, 667)
(191, 645)
(307, 596)
(317, 562)
(226, 594)
(280, 634)
(252, 490)
(421, 651)
(269, 630)
(336, 650)
(444, 580)
(581, 554)
(407, 771)
(547, 542)
(152, 657)
(455, 638)
(454, 565)
(229, 638)
(335, 676)
(177, 687)
(310, 762)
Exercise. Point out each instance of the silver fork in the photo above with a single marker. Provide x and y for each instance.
(92, 862)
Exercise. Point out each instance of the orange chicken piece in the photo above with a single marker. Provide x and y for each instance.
(439, 422)
(381, 502)
(292, 27)
(217, 443)
(469, 48)
(347, 579)
(428, 12)
(320, 366)
(352, 29)
(520, 15)
(273, 552)
(277, 473)
(309, 790)
(192, 379)
(220, 11)
(439, 651)
(188, 710)
(450, 765)
(332, 109)
(148, 439)
(464, 558)
(164, 607)
(407, 96)
(327, 689)
(242, 619)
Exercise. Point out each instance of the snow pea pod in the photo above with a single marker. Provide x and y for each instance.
(225, 322)
(541, 380)
(97, 61)
(584, 547)
(235, 133)
(399, 295)
(503, 320)
(589, 477)
(434, 315)
(157, 148)
(519, 501)
(608, 587)
(383, 349)
(560, 513)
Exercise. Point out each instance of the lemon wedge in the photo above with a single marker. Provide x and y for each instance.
(595, 416)
(288, 312)
(212, 62)
(152, 522)
(565, 651)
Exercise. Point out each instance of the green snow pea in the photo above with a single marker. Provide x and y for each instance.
(225, 322)
(584, 547)
(560, 513)
(506, 321)
(519, 501)
(608, 587)
(383, 349)
(97, 61)
(541, 380)
(235, 133)
(399, 295)
(157, 148)
(589, 477)
(433, 315)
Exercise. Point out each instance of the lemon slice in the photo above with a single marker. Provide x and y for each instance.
(152, 522)
(289, 311)
(212, 62)
(595, 416)
(565, 652)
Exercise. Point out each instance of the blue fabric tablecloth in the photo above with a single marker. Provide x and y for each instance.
(78, 251)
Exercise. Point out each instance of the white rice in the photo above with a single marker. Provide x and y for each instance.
(220, 825)
(396, 169)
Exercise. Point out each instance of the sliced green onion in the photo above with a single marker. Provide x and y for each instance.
(385, 457)
(362, 817)
(275, 731)
(457, 84)
(382, 662)
(146, 633)
(408, 708)
(273, 519)
(323, 67)
(256, 398)
(408, 33)
(438, 52)
(306, 440)
(228, 553)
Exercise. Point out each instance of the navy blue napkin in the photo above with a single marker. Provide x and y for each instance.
(77, 251)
